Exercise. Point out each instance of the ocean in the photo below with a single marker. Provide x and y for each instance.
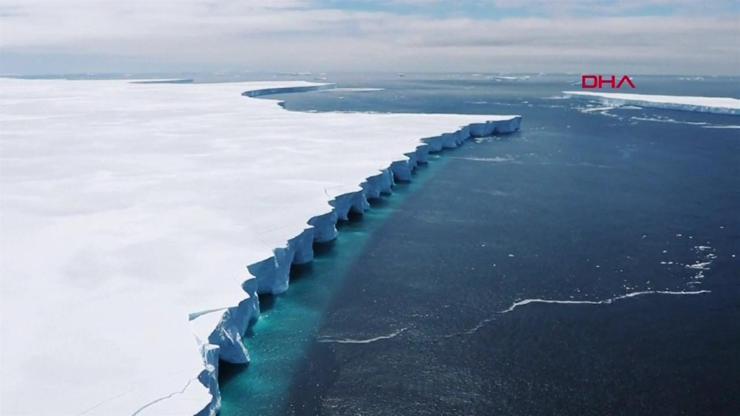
(585, 265)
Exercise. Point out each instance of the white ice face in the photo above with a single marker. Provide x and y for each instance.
(127, 208)
(720, 105)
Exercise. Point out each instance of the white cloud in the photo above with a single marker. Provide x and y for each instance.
(293, 35)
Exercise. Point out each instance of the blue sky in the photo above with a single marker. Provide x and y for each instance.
(620, 36)
(491, 10)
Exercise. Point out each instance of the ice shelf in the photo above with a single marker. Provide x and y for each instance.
(140, 220)
(719, 105)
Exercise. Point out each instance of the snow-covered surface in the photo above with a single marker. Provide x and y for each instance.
(127, 208)
(722, 105)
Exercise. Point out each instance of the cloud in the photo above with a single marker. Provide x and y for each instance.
(301, 35)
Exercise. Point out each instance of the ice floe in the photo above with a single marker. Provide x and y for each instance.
(524, 302)
(334, 340)
(608, 301)
(496, 159)
(721, 105)
(353, 89)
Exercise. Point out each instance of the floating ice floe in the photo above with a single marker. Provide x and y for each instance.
(509, 77)
(721, 105)
(723, 126)
(130, 214)
(335, 340)
(524, 302)
(608, 301)
(354, 89)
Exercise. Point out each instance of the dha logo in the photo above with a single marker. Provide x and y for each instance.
(598, 81)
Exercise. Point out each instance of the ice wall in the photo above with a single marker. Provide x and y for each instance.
(272, 275)
(129, 212)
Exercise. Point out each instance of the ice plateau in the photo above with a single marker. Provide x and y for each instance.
(140, 220)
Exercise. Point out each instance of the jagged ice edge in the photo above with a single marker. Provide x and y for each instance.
(272, 275)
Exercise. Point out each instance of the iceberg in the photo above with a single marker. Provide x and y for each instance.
(141, 220)
(719, 105)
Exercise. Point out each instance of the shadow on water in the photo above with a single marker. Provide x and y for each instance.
(305, 271)
(315, 378)
(267, 302)
(319, 250)
(227, 371)
(289, 323)
(300, 271)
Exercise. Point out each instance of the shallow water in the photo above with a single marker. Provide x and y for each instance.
(585, 265)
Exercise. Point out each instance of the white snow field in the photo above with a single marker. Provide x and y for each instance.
(720, 105)
(128, 215)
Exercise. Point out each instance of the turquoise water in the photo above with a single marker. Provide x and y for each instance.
(601, 212)
(289, 323)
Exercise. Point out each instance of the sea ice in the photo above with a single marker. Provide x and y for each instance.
(721, 105)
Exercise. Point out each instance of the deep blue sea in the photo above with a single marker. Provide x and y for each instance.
(586, 265)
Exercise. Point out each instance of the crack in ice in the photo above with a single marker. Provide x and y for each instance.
(102, 402)
(361, 341)
(163, 398)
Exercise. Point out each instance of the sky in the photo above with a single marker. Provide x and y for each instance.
(691, 37)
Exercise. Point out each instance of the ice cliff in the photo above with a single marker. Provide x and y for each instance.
(128, 214)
